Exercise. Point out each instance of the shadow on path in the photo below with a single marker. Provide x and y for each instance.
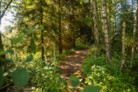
(72, 63)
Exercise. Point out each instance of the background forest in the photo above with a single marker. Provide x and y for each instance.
(44, 32)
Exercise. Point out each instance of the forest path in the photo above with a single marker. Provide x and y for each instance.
(72, 63)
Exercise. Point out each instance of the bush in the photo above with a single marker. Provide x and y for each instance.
(65, 53)
(108, 76)
(80, 45)
(45, 77)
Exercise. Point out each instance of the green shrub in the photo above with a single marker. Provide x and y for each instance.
(65, 53)
(45, 77)
(108, 76)
(80, 45)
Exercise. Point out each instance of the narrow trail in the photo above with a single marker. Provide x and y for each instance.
(72, 63)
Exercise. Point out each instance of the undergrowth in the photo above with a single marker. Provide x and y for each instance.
(65, 53)
(108, 76)
(45, 77)
(80, 45)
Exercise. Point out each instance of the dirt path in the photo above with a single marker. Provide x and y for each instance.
(72, 63)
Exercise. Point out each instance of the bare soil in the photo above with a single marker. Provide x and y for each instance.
(72, 63)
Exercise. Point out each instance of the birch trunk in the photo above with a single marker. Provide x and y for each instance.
(95, 28)
(123, 46)
(134, 33)
(106, 30)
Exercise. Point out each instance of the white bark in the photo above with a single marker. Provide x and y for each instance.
(134, 34)
(106, 30)
(95, 28)
(123, 46)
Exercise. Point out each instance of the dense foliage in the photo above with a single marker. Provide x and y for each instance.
(44, 32)
(108, 76)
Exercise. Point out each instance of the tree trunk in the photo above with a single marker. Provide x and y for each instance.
(1, 46)
(115, 16)
(109, 15)
(132, 4)
(95, 28)
(60, 33)
(90, 8)
(73, 29)
(74, 39)
(134, 33)
(1, 50)
(42, 37)
(123, 46)
(92, 26)
(106, 30)
(99, 26)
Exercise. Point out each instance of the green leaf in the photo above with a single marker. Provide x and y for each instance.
(29, 58)
(9, 61)
(90, 88)
(82, 1)
(72, 78)
(33, 45)
(2, 52)
(33, 71)
(30, 31)
(27, 31)
(20, 77)
(40, 27)
(24, 30)
(1, 77)
(60, 80)
(74, 81)
(65, 83)
(18, 39)
(11, 51)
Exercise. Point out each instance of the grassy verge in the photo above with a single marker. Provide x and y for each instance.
(108, 76)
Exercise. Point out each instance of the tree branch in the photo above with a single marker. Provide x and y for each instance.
(5, 9)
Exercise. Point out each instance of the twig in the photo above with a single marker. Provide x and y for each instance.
(5, 9)
(6, 85)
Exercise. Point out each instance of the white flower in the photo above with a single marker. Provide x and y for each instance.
(43, 75)
(45, 68)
